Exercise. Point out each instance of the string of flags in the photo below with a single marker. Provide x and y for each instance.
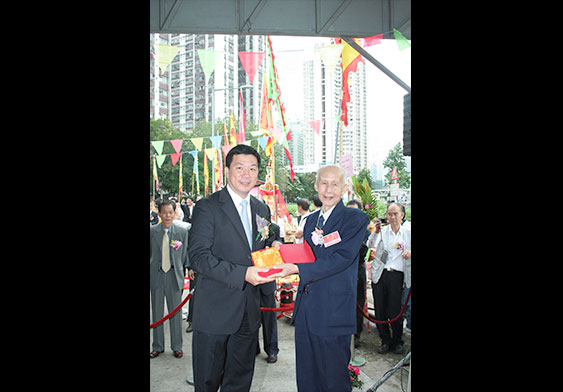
(269, 131)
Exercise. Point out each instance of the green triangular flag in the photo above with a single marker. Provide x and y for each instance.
(402, 42)
(160, 160)
(157, 144)
(207, 59)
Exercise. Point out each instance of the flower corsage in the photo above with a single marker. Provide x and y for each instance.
(317, 236)
(175, 244)
(263, 227)
(400, 245)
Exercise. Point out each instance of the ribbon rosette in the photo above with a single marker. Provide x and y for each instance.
(400, 245)
(175, 244)
(263, 227)
(317, 237)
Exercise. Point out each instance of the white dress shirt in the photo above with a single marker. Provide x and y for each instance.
(237, 199)
(394, 260)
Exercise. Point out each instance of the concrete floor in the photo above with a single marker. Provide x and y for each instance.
(168, 374)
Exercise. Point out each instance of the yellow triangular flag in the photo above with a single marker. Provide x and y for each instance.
(197, 141)
(210, 152)
(165, 54)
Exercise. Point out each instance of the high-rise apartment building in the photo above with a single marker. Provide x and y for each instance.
(182, 93)
(322, 98)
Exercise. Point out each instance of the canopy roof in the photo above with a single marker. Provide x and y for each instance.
(323, 18)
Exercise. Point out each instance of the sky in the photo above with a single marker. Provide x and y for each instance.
(384, 96)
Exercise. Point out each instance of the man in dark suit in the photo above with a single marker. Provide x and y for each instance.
(324, 314)
(227, 304)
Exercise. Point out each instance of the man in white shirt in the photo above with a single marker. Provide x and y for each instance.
(388, 274)
(303, 211)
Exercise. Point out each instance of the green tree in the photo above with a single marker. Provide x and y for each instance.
(365, 173)
(396, 158)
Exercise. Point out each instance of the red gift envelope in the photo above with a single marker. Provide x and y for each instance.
(288, 253)
(297, 253)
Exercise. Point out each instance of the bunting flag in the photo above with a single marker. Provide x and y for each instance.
(175, 157)
(206, 174)
(195, 172)
(180, 182)
(251, 62)
(401, 40)
(157, 144)
(160, 160)
(165, 54)
(241, 121)
(262, 142)
(215, 141)
(330, 56)
(234, 141)
(197, 141)
(207, 59)
(177, 144)
(317, 125)
(154, 174)
(350, 60)
(373, 40)
(226, 148)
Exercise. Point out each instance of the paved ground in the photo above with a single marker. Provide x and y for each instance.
(168, 374)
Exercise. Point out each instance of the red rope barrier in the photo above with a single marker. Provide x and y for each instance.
(156, 324)
(388, 321)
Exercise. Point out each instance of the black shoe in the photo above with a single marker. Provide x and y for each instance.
(398, 349)
(272, 359)
(383, 349)
(189, 329)
(356, 343)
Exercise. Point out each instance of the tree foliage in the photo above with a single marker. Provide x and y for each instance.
(396, 158)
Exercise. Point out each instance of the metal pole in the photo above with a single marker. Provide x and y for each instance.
(372, 60)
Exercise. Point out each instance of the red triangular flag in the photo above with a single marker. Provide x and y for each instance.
(175, 157)
(177, 144)
(373, 40)
(250, 62)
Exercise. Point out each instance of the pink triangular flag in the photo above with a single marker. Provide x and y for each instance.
(317, 125)
(175, 158)
(177, 144)
(226, 148)
(373, 40)
(250, 62)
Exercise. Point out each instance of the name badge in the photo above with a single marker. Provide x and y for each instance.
(331, 239)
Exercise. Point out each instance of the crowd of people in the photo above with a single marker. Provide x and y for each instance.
(209, 240)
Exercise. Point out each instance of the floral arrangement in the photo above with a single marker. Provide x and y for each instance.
(317, 236)
(175, 244)
(355, 377)
(399, 245)
(369, 201)
(263, 226)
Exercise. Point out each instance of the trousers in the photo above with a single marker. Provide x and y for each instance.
(321, 361)
(387, 294)
(225, 361)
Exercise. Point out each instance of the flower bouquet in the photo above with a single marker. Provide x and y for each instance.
(355, 377)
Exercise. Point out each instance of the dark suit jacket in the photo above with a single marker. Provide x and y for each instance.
(219, 253)
(328, 287)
